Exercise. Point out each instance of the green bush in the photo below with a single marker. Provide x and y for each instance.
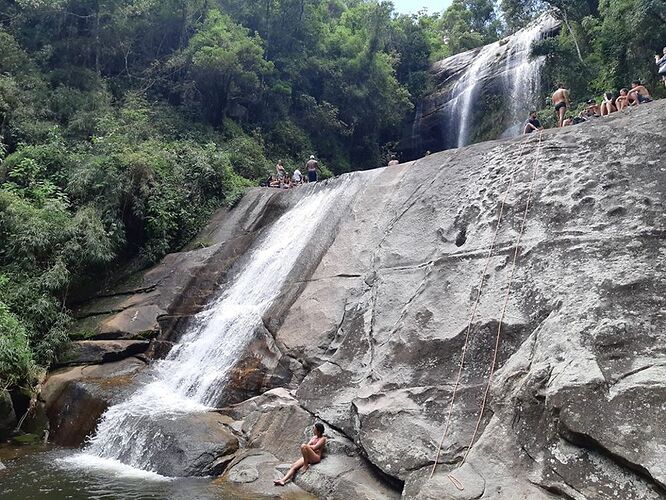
(16, 363)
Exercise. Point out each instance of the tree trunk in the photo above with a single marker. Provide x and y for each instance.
(98, 69)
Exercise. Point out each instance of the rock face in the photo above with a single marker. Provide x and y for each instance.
(369, 333)
(7, 415)
(87, 352)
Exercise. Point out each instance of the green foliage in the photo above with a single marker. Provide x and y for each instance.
(469, 24)
(224, 65)
(16, 363)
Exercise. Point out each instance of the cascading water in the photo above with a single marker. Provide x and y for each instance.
(483, 93)
(194, 374)
(522, 74)
(467, 90)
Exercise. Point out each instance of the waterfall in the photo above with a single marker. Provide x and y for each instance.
(482, 93)
(467, 89)
(194, 374)
(522, 74)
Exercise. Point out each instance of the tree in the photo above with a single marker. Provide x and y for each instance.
(224, 65)
(468, 24)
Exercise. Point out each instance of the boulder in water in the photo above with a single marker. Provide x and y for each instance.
(198, 444)
(75, 398)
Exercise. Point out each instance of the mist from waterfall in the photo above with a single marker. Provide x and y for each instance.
(194, 375)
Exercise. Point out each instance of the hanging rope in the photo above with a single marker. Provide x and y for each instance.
(506, 300)
(476, 305)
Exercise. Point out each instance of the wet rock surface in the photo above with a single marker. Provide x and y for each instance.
(194, 445)
(368, 335)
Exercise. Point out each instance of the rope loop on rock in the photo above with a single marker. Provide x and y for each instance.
(457, 483)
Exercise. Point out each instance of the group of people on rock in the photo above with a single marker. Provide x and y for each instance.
(282, 180)
(610, 103)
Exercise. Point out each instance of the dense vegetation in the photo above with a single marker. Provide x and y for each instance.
(125, 123)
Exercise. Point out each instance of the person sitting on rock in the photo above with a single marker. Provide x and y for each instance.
(592, 110)
(638, 94)
(312, 454)
(622, 100)
(608, 105)
(533, 124)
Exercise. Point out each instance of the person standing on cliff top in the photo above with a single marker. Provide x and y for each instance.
(561, 102)
(312, 166)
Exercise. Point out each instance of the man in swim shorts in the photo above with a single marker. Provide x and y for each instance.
(561, 102)
(312, 166)
(638, 94)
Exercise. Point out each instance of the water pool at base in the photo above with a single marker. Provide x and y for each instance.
(43, 474)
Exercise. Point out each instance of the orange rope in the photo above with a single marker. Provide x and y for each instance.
(475, 307)
(506, 302)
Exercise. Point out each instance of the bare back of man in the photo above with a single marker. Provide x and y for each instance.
(561, 101)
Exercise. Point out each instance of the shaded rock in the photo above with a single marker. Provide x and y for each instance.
(183, 283)
(87, 352)
(76, 397)
(7, 415)
(261, 367)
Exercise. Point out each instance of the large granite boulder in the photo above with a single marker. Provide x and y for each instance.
(561, 393)
(193, 445)
(76, 397)
(578, 372)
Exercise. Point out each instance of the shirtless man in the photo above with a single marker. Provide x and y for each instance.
(312, 166)
(561, 102)
(638, 94)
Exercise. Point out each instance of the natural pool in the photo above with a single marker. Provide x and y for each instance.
(42, 473)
